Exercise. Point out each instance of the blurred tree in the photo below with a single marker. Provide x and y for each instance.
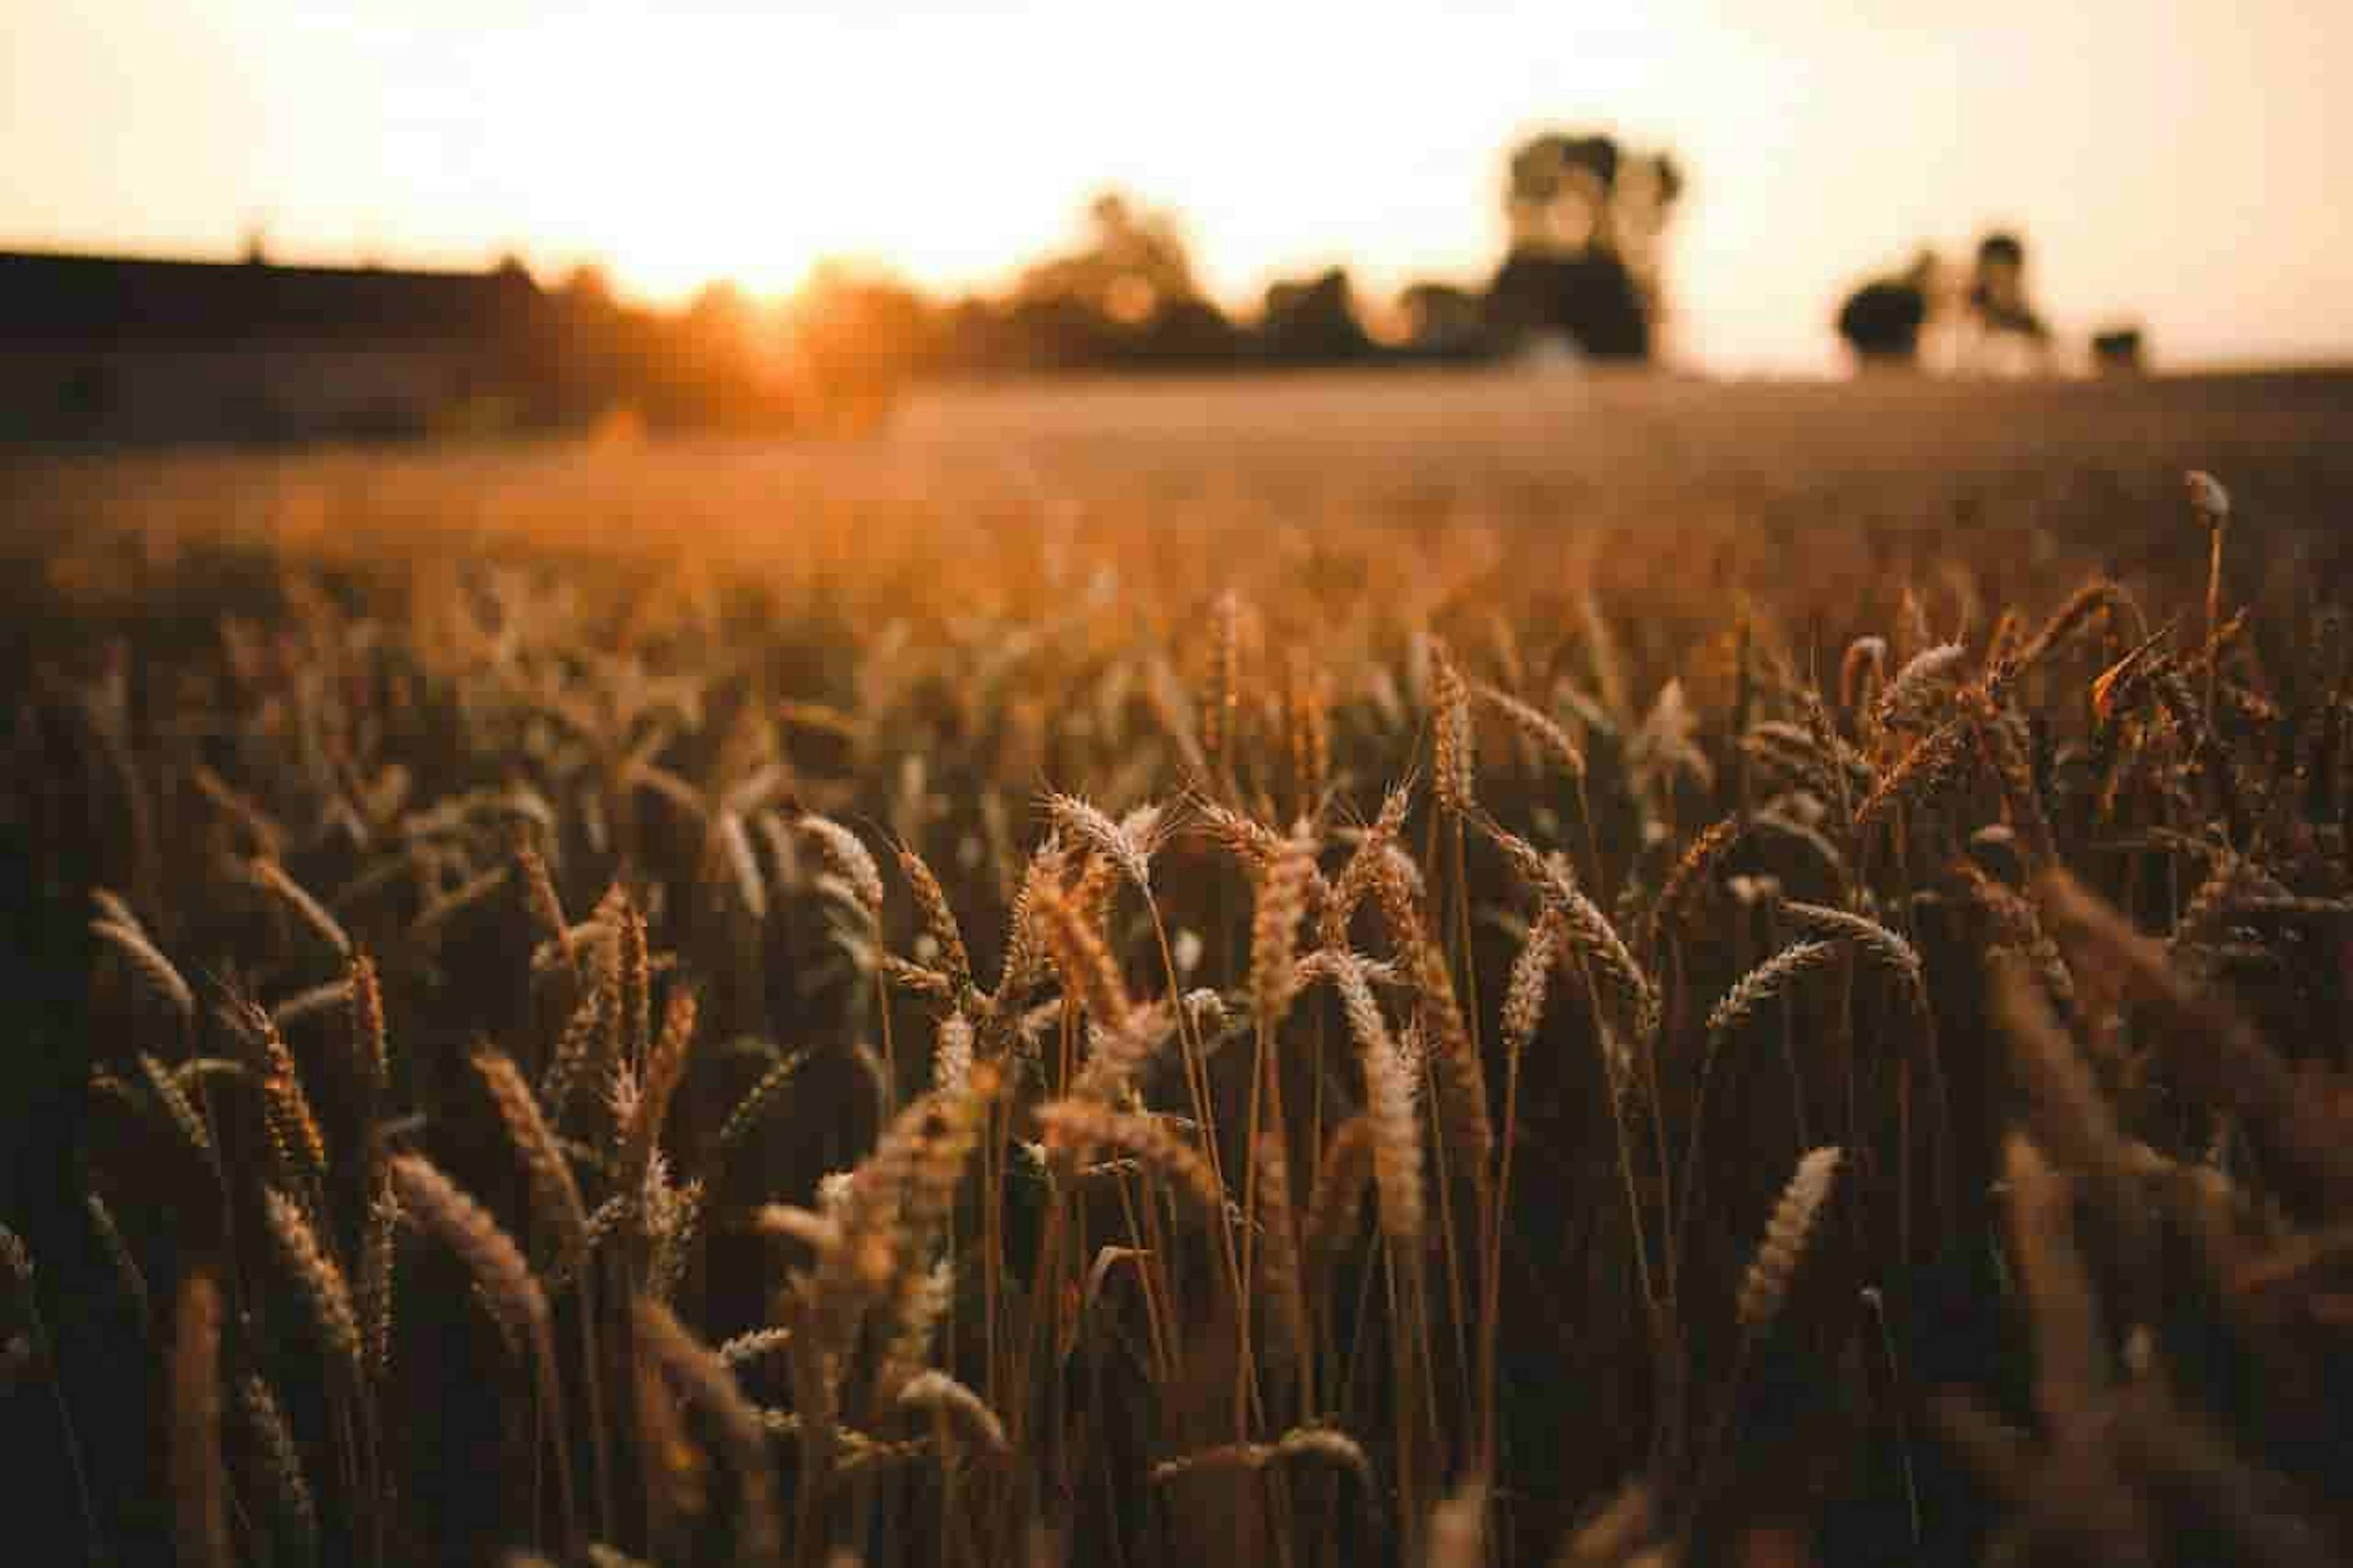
(857, 338)
(1189, 330)
(720, 309)
(2117, 351)
(1127, 293)
(1591, 300)
(2004, 330)
(1444, 322)
(587, 288)
(1587, 221)
(1882, 320)
(1313, 320)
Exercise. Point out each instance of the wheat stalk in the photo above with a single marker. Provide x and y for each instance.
(272, 876)
(1284, 1272)
(148, 959)
(1087, 824)
(1789, 1235)
(935, 1390)
(1324, 1445)
(1274, 929)
(430, 1200)
(199, 1481)
(322, 1281)
(553, 1190)
(1357, 878)
(591, 1038)
(1307, 728)
(1221, 702)
(939, 920)
(849, 858)
(1077, 1126)
(1088, 969)
(665, 1069)
(1389, 1091)
(1545, 735)
(1905, 702)
(1926, 771)
(293, 1127)
(1452, 741)
(707, 1383)
(378, 1258)
(281, 1462)
(1768, 982)
(1336, 1204)
(758, 1102)
(371, 1054)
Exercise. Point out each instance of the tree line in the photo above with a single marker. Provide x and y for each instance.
(1583, 277)
(1982, 320)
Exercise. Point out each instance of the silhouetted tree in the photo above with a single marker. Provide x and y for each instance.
(2117, 351)
(2001, 317)
(857, 338)
(1592, 299)
(1882, 320)
(1587, 221)
(1188, 331)
(1444, 322)
(1126, 292)
(1312, 322)
(587, 288)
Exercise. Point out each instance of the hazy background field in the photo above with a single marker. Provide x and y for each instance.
(1427, 448)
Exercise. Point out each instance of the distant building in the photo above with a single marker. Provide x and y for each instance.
(108, 348)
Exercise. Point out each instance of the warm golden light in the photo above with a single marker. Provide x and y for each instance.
(2172, 169)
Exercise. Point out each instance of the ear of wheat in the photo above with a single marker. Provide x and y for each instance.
(553, 1190)
(707, 1383)
(128, 937)
(1078, 1126)
(936, 1390)
(1087, 967)
(333, 1315)
(1389, 1093)
(665, 1069)
(1789, 1235)
(294, 1508)
(1452, 769)
(1768, 982)
(1088, 825)
(939, 920)
(1543, 733)
(510, 1288)
(1274, 931)
(847, 857)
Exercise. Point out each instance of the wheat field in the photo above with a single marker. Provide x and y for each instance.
(1417, 970)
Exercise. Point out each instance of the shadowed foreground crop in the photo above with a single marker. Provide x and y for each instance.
(1036, 1033)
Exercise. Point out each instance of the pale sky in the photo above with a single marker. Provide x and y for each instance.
(2189, 166)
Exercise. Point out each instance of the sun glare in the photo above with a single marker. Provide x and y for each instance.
(748, 148)
(680, 144)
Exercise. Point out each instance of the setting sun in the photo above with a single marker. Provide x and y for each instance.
(1025, 784)
(684, 143)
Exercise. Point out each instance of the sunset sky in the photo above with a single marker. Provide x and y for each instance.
(2190, 166)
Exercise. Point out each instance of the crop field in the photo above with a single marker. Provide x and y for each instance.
(1423, 968)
